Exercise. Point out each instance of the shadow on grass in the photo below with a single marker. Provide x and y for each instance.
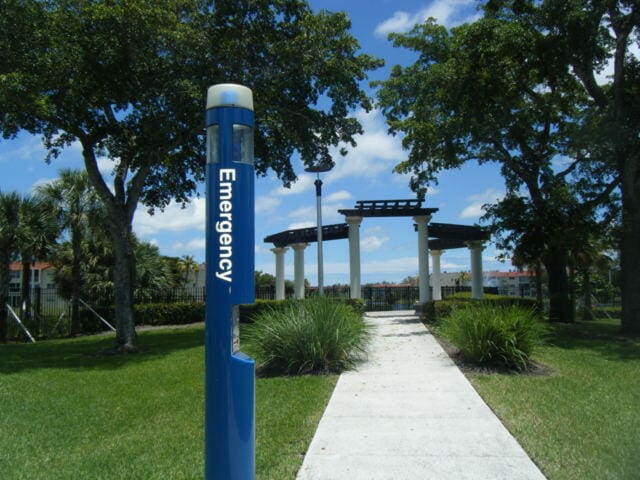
(600, 336)
(85, 353)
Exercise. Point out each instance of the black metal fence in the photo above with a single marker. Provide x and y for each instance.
(49, 315)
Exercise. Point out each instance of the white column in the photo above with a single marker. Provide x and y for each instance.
(435, 276)
(476, 268)
(298, 268)
(423, 257)
(279, 252)
(354, 254)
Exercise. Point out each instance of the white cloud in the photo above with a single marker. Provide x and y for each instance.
(307, 214)
(474, 209)
(41, 182)
(173, 218)
(194, 244)
(372, 243)
(338, 196)
(302, 184)
(446, 12)
(29, 149)
(303, 212)
(402, 265)
(408, 265)
(297, 225)
(450, 266)
(376, 151)
(267, 204)
(106, 166)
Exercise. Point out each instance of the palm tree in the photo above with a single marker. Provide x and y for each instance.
(76, 206)
(36, 234)
(9, 218)
(188, 264)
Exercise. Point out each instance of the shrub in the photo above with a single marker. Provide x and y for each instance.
(488, 334)
(317, 335)
(249, 312)
(168, 313)
(147, 314)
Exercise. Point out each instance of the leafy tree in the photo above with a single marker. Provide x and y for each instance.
(127, 79)
(75, 205)
(463, 279)
(410, 280)
(154, 272)
(586, 36)
(487, 92)
(263, 279)
(9, 217)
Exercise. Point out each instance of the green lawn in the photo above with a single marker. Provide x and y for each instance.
(583, 420)
(68, 413)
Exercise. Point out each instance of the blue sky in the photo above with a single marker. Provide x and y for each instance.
(388, 246)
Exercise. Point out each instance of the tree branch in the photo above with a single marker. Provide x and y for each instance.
(570, 168)
(600, 198)
(135, 189)
(588, 80)
(93, 172)
(622, 26)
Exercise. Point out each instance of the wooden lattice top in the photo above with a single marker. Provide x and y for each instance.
(388, 208)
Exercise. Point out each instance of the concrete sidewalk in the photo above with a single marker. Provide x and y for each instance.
(409, 413)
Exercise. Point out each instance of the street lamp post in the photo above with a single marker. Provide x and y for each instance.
(318, 169)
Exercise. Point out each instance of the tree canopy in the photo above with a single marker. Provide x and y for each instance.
(127, 81)
(494, 91)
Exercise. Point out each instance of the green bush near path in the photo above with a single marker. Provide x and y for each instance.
(67, 412)
(493, 335)
(317, 335)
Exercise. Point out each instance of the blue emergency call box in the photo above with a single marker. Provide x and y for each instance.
(230, 259)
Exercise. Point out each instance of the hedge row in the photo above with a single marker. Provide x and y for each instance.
(185, 313)
(435, 311)
(249, 312)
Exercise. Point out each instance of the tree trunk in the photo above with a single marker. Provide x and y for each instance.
(587, 307)
(539, 296)
(75, 280)
(560, 308)
(4, 294)
(123, 285)
(630, 248)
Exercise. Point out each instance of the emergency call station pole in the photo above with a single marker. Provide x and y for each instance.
(229, 373)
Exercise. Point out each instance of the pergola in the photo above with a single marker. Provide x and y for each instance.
(444, 237)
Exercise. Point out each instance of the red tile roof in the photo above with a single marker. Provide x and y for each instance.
(17, 266)
(525, 273)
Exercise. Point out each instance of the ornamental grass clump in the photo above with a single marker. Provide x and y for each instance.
(317, 335)
(493, 335)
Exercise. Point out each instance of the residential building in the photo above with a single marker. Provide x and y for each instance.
(513, 282)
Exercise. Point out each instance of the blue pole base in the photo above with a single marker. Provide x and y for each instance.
(230, 428)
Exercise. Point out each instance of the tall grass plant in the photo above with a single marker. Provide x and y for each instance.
(486, 334)
(318, 335)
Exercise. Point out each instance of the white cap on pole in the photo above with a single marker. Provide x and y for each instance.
(229, 95)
